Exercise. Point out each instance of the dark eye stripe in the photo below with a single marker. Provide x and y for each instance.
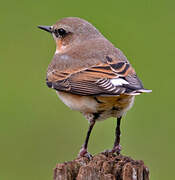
(56, 32)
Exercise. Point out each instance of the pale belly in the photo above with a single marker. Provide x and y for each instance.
(108, 106)
(84, 104)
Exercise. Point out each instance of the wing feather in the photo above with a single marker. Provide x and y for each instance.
(113, 77)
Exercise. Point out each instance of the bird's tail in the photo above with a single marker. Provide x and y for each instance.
(139, 91)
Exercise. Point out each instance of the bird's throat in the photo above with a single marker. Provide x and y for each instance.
(60, 48)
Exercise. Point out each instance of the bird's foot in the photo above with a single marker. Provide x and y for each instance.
(84, 153)
(117, 149)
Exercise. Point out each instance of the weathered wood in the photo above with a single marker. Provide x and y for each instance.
(103, 166)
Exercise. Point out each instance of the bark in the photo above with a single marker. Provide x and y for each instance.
(103, 166)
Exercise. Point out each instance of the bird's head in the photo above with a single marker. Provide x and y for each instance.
(71, 30)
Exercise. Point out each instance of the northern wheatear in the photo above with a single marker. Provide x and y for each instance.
(90, 75)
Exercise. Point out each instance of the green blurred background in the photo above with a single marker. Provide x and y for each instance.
(37, 130)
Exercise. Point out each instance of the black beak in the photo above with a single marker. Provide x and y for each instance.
(46, 28)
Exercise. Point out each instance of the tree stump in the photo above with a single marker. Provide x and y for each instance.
(103, 166)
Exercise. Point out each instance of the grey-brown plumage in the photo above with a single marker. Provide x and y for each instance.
(91, 75)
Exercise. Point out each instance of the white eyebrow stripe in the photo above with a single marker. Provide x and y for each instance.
(118, 82)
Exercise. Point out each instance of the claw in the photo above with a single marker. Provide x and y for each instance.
(117, 149)
(84, 153)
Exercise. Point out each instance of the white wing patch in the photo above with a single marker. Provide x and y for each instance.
(118, 82)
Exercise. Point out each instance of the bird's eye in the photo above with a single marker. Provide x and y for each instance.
(59, 32)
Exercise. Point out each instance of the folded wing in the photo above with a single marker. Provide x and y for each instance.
(110, 78)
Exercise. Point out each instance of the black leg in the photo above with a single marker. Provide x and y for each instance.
(117, 147)
(92, 123)
(83, 150)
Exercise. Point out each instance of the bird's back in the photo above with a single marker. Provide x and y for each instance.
(82, 55)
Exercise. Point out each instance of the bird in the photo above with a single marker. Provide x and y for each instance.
(91, 75)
